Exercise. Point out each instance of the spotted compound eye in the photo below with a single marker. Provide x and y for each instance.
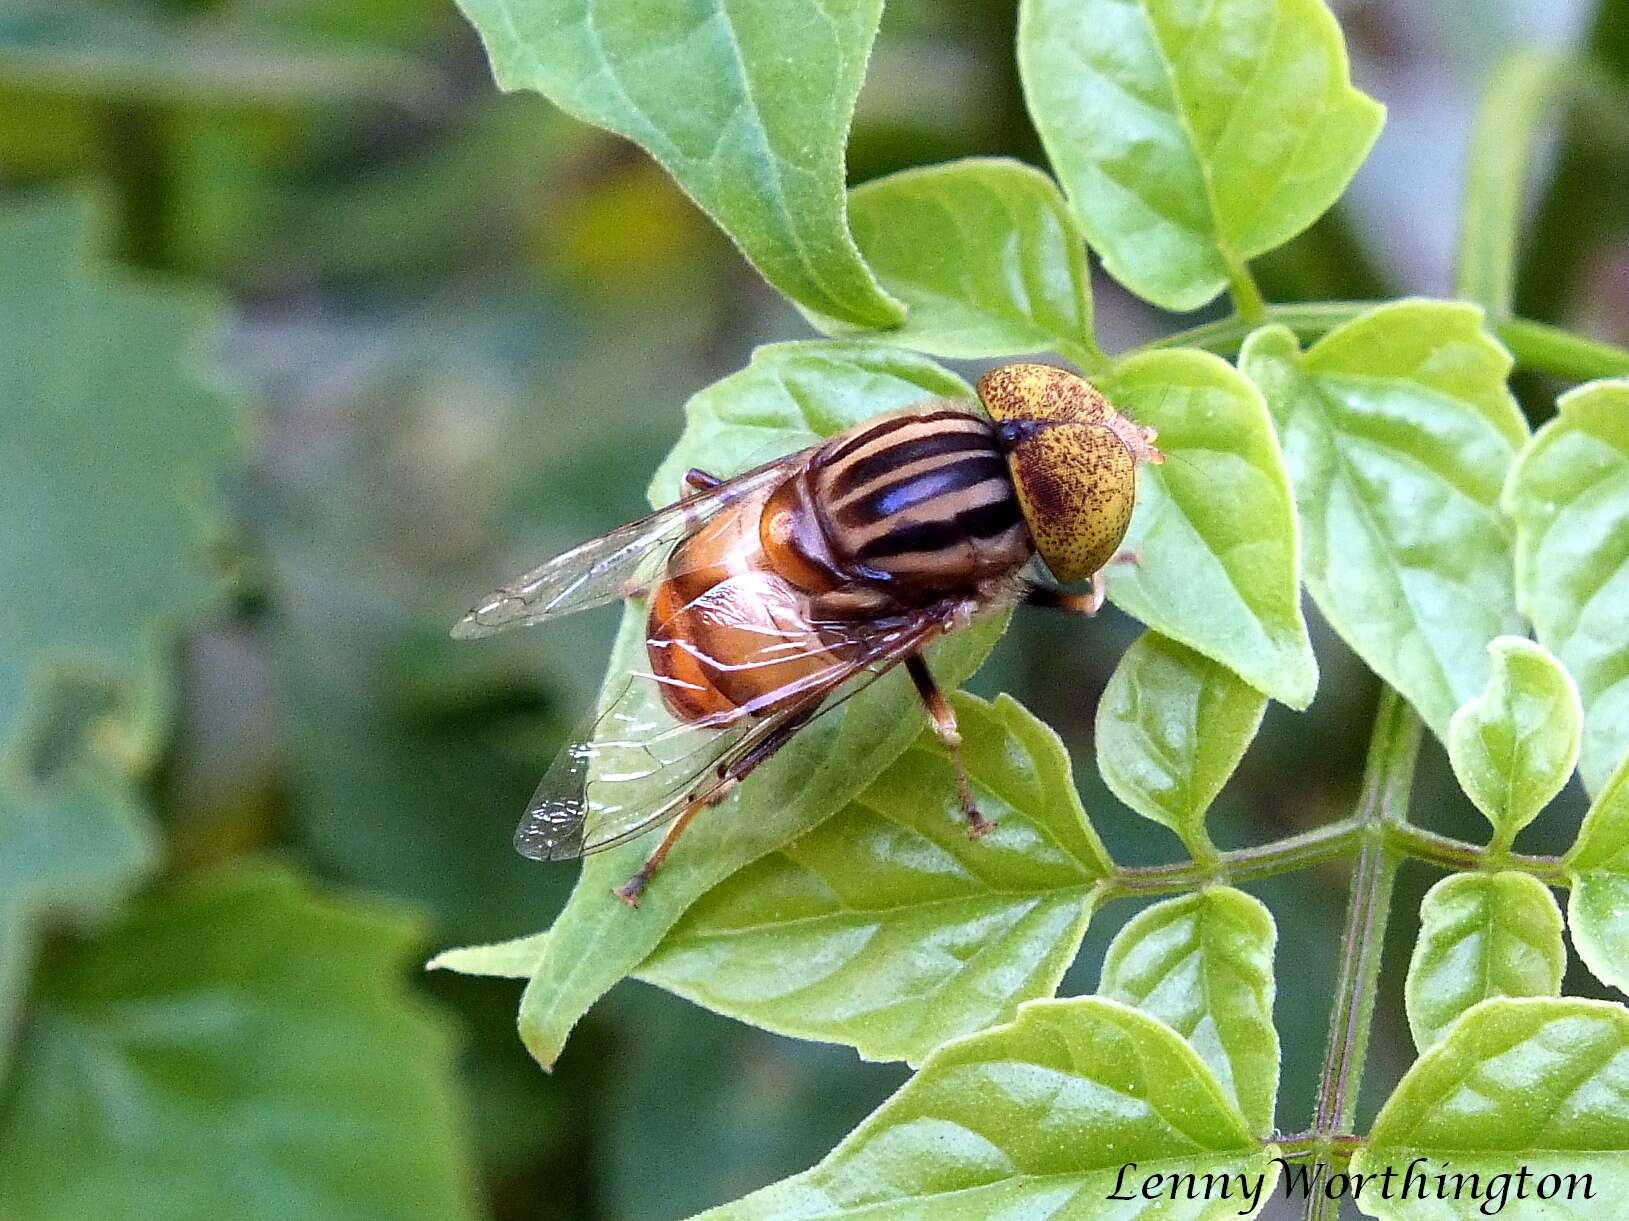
(1073, 459)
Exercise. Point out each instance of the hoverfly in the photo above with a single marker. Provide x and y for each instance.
(770, 591)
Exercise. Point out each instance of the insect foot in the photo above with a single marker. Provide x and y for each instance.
(978, 826)
(630, 890)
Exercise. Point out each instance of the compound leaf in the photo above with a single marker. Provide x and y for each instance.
(1214, 528)
(1514, 746)
(1481, 935)
(1035, 1118)
(1398, 431)
(1569, 495)
(889, 928)
(1523, 1094)
(237, 1048)
(1192, 137)
(1203, 964)
(1171, 728)
(747, 106)
(985, 254)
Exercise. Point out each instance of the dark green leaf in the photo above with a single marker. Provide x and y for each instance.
(109, 445)
(109, 53)
(748, 107)
(238, 1048)
(1398, 430)
(1203, 963)
(1036, 1118)
(1192, 137)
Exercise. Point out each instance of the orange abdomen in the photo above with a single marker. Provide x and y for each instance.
(727, 635)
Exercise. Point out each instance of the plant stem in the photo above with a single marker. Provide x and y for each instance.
(1459, 857)
(1535, 345)
(1521, 93)
(1388, 778)
(1246, 294)
(1325, 844)
(1243, 865)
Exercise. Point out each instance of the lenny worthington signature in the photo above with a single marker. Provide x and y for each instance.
(1421, 1179)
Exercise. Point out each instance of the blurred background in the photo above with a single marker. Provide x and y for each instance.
(461, 328)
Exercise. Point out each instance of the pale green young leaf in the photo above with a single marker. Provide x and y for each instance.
(1203, 964)
(1398, 430)
(1481, 935)
(1036, 1118)
(1192, 137)
(202, 1058)
(1532, 1084)
(790, 396)
(1569, 495)
(1215, 527)
(985, 255)
(1171, 728)
(1598, 865)
(110, 443)
(747, 106)
(888, 927)
(1514, 746)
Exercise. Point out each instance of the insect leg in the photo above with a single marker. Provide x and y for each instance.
(732, 775)
(699, 480)
(943, 717)
(1087, 603)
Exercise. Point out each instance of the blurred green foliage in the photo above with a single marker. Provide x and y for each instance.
(314, 335)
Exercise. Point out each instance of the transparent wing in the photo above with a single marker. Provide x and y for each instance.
(634, 766)
(606, 568)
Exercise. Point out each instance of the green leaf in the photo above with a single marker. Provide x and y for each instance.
(1036, 1118)
(516, 958)
(1192, 137)
(1171, 728)
(108, 449)
(1203, 964)
(888, 927)
(1569, 495)
(112, 53)
(1398, 430)
(1215, 524)
(790, 395)
(1598, 865)
(1523, 1088)
(204, 1059)
(1514, 746)
(985, 255)
(1481, 935)
(748, 107)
